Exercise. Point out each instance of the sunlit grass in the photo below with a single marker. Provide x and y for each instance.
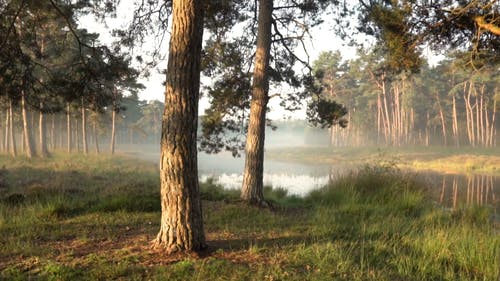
(442, 159)
(92, 218)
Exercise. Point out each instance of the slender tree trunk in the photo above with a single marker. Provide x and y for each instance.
(478, 122)
(443, 121)
(427, 133)
(481, 115)
(387, 121)
(455, 123)
(76, 134)
(68, 127)
(29, 143)
(252, 189)
(13, 150)
(84, 131)
(379, 116)
(6, 145)
(96, 138)
(181, 217)
(493, 129)
(52, 131)
(113, 130)
(470, 115)
(42, 128)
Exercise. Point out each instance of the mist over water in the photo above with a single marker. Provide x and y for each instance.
(299, 179)
(224, 169)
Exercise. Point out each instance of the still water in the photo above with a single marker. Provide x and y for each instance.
(449, 190)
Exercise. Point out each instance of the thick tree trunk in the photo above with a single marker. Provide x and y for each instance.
(84, 131)
(181, 218)
(252, 189)
(29, 143)
(13, 149)
(42, 129)
(68, 127)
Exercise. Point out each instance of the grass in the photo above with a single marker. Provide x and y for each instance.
(441, 159)
(92, 218)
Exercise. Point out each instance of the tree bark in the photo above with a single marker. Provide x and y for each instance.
(443, 120)
(181, 219)
(29, 143)
(13, 149)
(455, 123)
(68, 127)
(42, 141)
(96, 138)
(53, 132)
(252, 189)
(113, 129)
(84, 131)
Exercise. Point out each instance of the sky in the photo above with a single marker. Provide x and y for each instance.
(322, 39)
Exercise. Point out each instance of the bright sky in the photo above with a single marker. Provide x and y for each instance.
(323, 39)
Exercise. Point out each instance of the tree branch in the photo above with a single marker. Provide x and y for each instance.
(11, 26)
(481, 22)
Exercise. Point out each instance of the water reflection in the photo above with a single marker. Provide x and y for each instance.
(466, 190)
(295, 184)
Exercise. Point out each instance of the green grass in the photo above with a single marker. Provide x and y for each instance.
(441, 159)
(93, 218)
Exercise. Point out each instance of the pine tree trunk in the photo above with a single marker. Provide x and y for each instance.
(52, 131)
(29, 143)
(13, 149)
(387, 121)
(379, 116)
(76, 134)
(481, 115)
(68, 127)
(181, 218)
(455, 123)
(42, 129)
(252, 189)
(96, 138)
(443, 121)
(6, 145)
(84, 131)
(493, 129)
(113, 131)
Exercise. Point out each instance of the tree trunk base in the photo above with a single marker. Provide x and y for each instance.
(260, 203)
(168, 250)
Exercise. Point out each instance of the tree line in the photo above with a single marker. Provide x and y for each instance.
(448, 104)
(49, 66)
(135, 122)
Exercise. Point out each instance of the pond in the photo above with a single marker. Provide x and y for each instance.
(450, 190)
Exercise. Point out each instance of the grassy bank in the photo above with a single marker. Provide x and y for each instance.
(440, 159)
(92, 218)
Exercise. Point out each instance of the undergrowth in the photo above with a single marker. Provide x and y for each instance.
(93, 218)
